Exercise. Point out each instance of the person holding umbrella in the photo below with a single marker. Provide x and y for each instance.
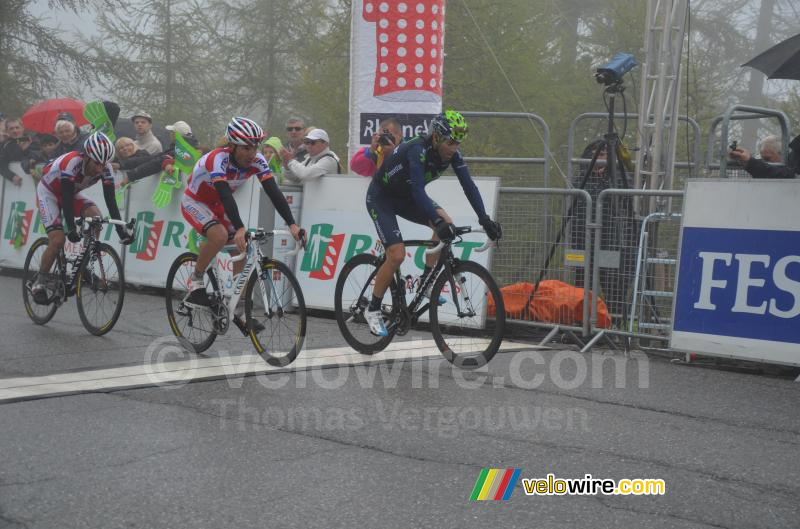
(781, 61)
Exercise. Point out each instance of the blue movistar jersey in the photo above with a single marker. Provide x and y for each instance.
(416, 163)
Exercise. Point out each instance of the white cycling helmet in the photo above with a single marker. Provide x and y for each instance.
(243, 131)
(99, 148)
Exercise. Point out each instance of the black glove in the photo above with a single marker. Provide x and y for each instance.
(492, 228)
(444, 230)
(73, 236)
(124, 237)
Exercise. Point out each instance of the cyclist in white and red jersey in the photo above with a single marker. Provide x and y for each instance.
(208, 203)
(60, 188)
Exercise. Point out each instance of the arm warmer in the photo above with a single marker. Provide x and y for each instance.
(67, 195)
(226, 197)
(111, 202)
(278, 200)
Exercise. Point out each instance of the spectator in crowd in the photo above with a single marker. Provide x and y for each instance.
(145, 139)
(20, 148)
(770, 149)
(48, 144)
(38, 159)
(70, 138)
(271, 151)
(368, 159)
(128, 156)
(319, 160)
(296, 127)
(761, 169)
(163, 161)
(3, 134)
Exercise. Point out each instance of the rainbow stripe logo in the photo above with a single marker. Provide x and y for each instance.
(495, 484)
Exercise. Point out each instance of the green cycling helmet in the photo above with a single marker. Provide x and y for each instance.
(451, 124)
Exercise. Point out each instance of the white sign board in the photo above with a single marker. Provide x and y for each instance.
(738, 282)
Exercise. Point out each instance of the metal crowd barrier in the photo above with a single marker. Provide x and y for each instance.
(723, 167)
(540, 241)
(634, 264)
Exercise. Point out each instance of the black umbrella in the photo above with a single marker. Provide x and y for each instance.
(781, 61)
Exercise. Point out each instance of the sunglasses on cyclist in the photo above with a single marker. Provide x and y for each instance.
(293, 129)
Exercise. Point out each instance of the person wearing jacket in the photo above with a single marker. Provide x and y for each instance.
(319, 160)
(761, 169)
(164, 160)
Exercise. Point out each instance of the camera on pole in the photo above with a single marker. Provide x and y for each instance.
(612, 72)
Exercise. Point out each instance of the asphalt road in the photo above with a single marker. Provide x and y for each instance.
(391, 444)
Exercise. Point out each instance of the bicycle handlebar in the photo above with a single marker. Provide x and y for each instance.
(461, 230)
(262, 234)
(100, 220)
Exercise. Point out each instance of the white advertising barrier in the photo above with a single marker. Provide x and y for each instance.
(396, 59)
(335, 215)
(283, 243)
(738, 282)
(22, 224)
(162, 234)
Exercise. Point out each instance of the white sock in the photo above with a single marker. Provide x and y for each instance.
(198, 282)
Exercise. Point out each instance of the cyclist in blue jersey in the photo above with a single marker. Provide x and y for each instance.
(398, 188)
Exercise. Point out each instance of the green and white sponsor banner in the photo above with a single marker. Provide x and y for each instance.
(21, 224)
(162, 234)
(335, 215)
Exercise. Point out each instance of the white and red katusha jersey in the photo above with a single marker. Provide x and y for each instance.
(69, 166)
(216, 166)
(409, 44)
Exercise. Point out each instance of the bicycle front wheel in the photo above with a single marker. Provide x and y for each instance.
(195, 327)
(275, 313)
(461, 327)
(40, 314)
(352, 296)
(100, 289)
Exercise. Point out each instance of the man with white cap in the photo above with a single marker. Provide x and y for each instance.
(145, 139)
(319, 161)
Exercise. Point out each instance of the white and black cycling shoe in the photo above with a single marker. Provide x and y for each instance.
(375, 322)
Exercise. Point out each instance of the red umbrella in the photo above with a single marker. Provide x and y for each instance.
(41, 117)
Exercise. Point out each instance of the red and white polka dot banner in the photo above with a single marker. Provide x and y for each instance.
(396, 54)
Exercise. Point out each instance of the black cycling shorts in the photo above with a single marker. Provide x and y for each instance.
(384, 208)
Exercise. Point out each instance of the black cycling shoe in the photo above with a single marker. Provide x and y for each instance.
(198, 297)
(240, 323)
(40, 294)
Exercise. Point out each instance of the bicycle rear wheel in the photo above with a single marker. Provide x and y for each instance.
(274, 300)
(40, 314)
(194, 327)
(351, 298)
(100, 289)
(464, 333)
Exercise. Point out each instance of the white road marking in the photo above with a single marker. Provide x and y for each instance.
(200, 368)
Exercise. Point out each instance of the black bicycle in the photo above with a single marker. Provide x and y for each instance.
(467, 328)
(94, 276)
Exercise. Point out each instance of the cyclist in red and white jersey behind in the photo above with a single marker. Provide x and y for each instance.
(208, 203)
(61, 186)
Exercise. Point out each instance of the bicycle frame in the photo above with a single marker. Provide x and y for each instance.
(445, 264)
(254, 257)
(88, 242)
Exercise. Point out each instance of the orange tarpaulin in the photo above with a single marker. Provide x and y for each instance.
(554, 302)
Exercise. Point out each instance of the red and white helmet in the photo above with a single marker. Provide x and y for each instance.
(99, 148)
(243, 131)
